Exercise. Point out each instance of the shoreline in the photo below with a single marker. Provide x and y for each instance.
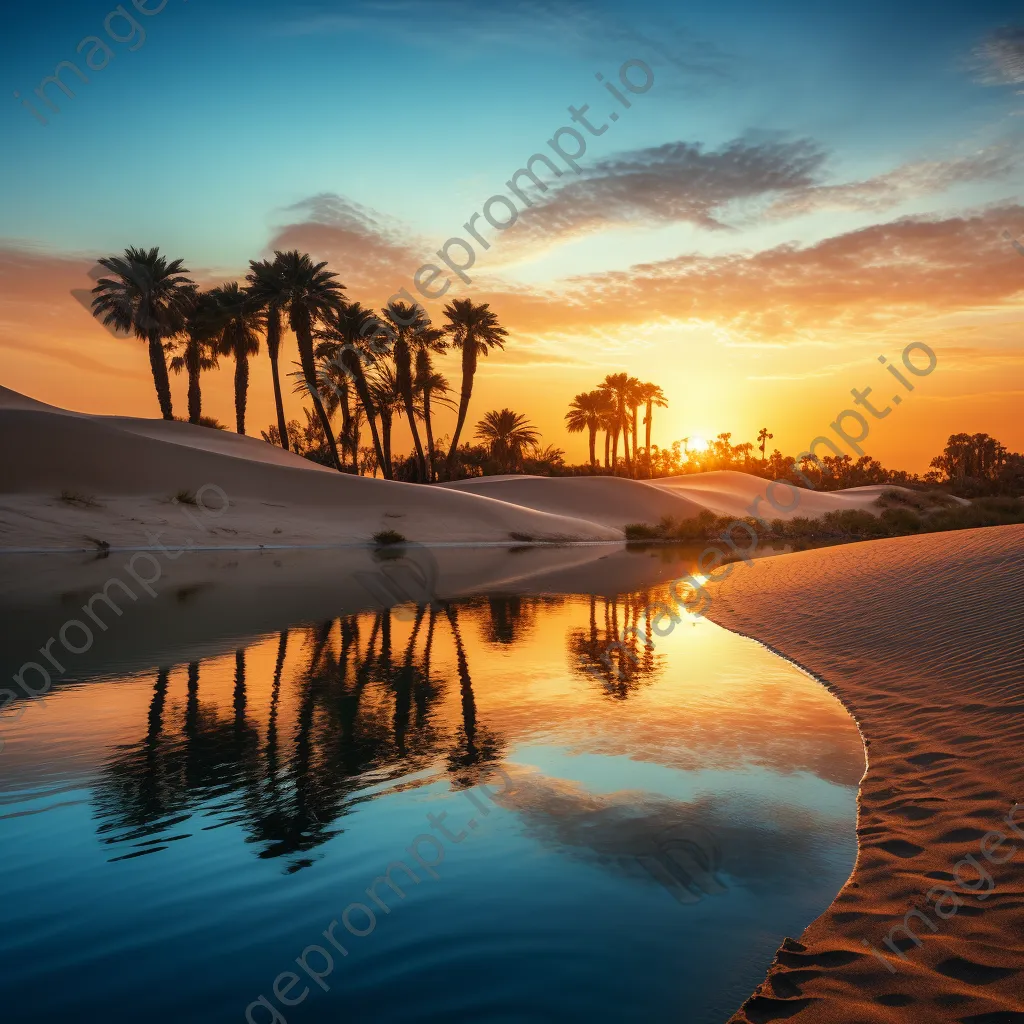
(926, 660)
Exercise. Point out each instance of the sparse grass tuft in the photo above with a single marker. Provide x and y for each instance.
(389, 537)
(78, 500)
(185, 498)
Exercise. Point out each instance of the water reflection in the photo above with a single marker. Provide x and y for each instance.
(238, 786)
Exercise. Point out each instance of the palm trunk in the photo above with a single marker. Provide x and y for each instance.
(468, 373)
(607, 449)
(274, 350)
(304, 336)
(635, 456)
(625, 441)
(403, 368)
(241, 389)
(385, 435)
(615, 449)
(593, 447)
(356, 414)
(195, 397)
(647, 426)
(355, 368)
(158, 364)
(430, 435)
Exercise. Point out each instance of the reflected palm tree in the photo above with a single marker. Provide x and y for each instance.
(476, 747)
(616, 659)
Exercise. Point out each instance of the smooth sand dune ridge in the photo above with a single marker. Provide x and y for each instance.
(610, 501)
(922, 638)
(730, 493)
(127, 473)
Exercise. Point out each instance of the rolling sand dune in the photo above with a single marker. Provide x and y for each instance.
(729, 493)
(922, 638)
(608, 500)
(119, 477)
(616, 502)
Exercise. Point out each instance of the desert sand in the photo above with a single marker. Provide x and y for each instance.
(74, 481)
(922, 639)
(119, 477)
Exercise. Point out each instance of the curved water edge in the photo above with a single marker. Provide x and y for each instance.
(598, 828)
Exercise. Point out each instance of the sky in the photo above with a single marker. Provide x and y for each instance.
(793, 191)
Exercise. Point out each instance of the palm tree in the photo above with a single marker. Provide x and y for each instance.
(241, 324)
(387, 400)
(634, 400)
(309, 293)
(150, 297)
(406, 322)
(475, 330)
(353, 335)
(508, 434)
(433, 389)
(585, 413)
(651, 395)
(267, 290)
(198, 351)
(428, 341)
(619, 387)
(764, 437)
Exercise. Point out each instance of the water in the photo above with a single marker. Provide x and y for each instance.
(575, 831)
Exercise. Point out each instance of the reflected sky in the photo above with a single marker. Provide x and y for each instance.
(640, 825)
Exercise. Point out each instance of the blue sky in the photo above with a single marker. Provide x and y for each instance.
(369, 132)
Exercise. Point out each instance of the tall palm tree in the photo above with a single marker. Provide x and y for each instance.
(351, 337)
(764, 437)
(432, 389)
(585, 413)
(310, 293)
(241, 324)
(426, 342)
(406, 322)
(198, 351)
(150, 297)
(651, 395)
(475, 330)
(634, 400)
(267, 290)
(387, 400)
(508, 434)
(619, 387)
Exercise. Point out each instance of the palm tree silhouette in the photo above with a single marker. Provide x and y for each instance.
(198, 352)
(310, 293)
(651, 395)
(267, 291)
(586, 412)
(429, 341)
(508, 434)
(353, 335)
(149, 297)
(474, 329)
(407, 323)
(387, 400)
(764, 437)
(241, 324)
(620, 387)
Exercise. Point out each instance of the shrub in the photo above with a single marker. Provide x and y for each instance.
(389, 537)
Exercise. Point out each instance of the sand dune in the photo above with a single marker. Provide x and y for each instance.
(923, 639)
(615, 502)
(119, 476)
(610, 501)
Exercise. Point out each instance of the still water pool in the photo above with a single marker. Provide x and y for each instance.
(265, 794)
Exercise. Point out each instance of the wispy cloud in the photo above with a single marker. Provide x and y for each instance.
(999, 59)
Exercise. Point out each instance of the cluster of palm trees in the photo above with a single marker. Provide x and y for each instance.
(370, 365)
(614, 407)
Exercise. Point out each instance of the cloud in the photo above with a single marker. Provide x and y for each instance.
(912, 270)
(369, 251)
(904, 183)
(999, 60)
(675, 182)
